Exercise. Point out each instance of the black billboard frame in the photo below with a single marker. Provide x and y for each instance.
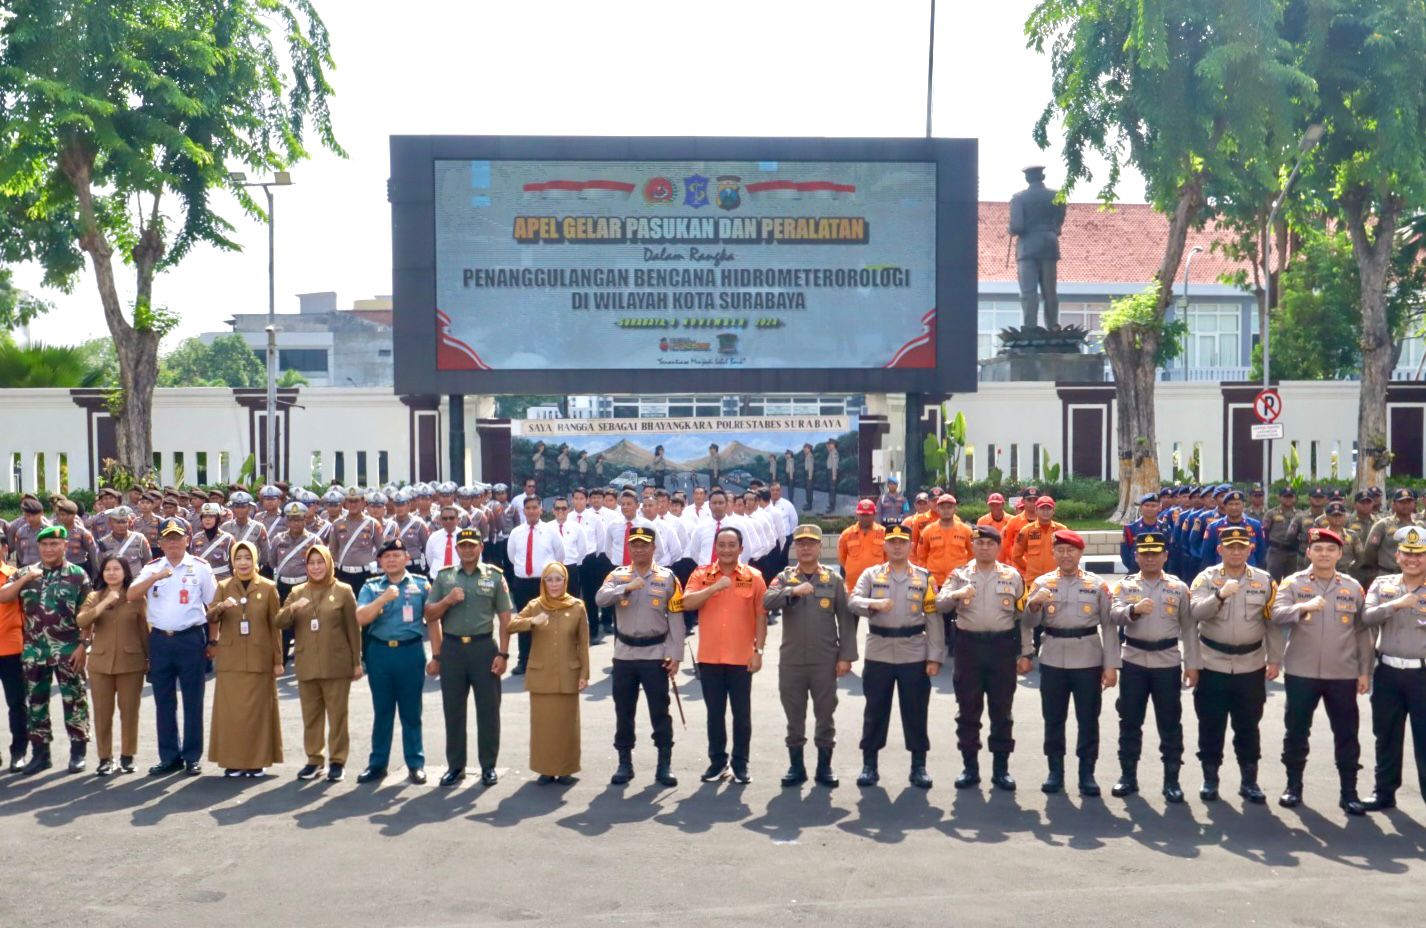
(411, 192)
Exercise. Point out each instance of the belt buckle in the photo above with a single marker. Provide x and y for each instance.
(393, 643)
(466, 639)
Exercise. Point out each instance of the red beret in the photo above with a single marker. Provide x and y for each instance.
(1066, 537)
(1315, 535)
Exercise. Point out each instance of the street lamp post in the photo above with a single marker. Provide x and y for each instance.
(1187, 330)
(1309, 141)
(279, 179)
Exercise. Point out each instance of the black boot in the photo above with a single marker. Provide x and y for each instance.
(39, 760)
(1208, 792)
(1000, 773)
(1350, 802)
(970, 776)
(869, 775)
(77, 751)
(1291, 797)
(919, 777)
(1087, 786)
(824, 775)
(1379, 801)
(1172, 791)
(625, 771)
(1056, 780)
(1128, 780)
(663, 773)
(1250, 790)
(796, 773)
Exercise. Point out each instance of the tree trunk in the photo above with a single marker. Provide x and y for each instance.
(1372, 250)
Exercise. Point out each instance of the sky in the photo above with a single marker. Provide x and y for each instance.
(618, 67)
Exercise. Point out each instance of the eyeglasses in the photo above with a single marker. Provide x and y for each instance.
(561, 508)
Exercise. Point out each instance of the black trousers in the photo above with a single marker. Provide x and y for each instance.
(985, 672)
(1223, 696)
(1057, 686)
(288, 634)
(602, 567)
(13, 680)
(683, 568)
(465, 671)
(588, 585)
(176, 668)
(724, 685)
(913, 688)
(1340, 697)
(1137, 687)
(522, 590)
(1397, 695)
(628, 678)
(495, 554)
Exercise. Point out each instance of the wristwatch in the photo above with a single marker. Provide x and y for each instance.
(435, 657)
(757, 650)
(503, 654)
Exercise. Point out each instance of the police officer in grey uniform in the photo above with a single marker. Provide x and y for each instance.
(648, 647)
(243, 527)
(1379, 548)
(1079, 657)
(819, 644)
(1328, 659)
(1238, 653)
(124, 543)
(23, 532)
(1280, 526)
(906, 644)
(986, 598)
(412, 530)
(1396, 604)
(354, 540)
(288, 548)
(1153, 609)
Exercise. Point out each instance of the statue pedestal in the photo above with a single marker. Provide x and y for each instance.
(1065, 367)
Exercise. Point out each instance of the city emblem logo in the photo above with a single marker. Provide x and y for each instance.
(695, 191)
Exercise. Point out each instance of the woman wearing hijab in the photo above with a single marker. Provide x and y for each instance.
(118, 633)
(558, 671)
(210, 543)
(322, 615)
(247, 658)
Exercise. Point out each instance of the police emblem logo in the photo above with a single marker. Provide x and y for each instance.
(729, 192)
(1413, 537)
(825, 603)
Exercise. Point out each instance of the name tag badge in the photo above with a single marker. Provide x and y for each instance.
(408, 613)
(243, 627)
(825, 603)
(485, 585)
(183, 596)
(315, 625)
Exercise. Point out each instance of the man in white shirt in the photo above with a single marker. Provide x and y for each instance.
(697, 510)
(532, 545)
(616, 534)
(700, 540)
(667, 546)
(176, 589)
(578, 543)
(786, 509)
(518, 501)
(441, 543)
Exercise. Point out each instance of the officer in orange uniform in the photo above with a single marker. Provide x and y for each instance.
(997, 518)
(862, 545)
(1024, 514)
(944, 545)
(925, 512)
(1031, 553)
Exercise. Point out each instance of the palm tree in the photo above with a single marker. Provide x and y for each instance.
(39, 365)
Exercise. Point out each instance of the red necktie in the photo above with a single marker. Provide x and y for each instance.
(530, 553)
(450, 542)
(627, 527)
(713, 549)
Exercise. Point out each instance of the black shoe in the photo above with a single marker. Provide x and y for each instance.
(824, 775)
(1379, 801)
(919, 778)
(565, 780)
(39, 760)
(663, 773)
(161, 769)
(519, 670)
(1172, 791)
(1000, 776)
(796, 773)
(869, 775)
(741, 775)
(1128, 782)
(1208, 792)
(336, 773)
(1249, 789)
(372, 775)
(1056, 779)
(1087, 785)
(232, 774)
(1351, 803)
(77, 750)
(417, 776)
(1291, 797)
(126, 764)
(193, 769)
(544, 779)
(452, 776)
(715, 772)
(17, 762)
(106, 768)
(625, 771)
(254, 774)
(970, 776)
(309, 772)
(488, 776)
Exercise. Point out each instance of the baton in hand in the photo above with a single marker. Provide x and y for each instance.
(679, 700)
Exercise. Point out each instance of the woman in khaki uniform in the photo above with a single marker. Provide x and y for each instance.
(247, 657)
(558, 673)
(322, 615)
(118, 633)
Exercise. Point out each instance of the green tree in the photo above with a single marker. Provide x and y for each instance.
(17, 307)
(291, 378)
(227, 362)
(1370, 170)
(120, 120)
(1191, 93)
(39, 365)
(99, 354)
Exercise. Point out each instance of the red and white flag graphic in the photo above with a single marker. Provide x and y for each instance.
(800, 189)
(578, 190)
